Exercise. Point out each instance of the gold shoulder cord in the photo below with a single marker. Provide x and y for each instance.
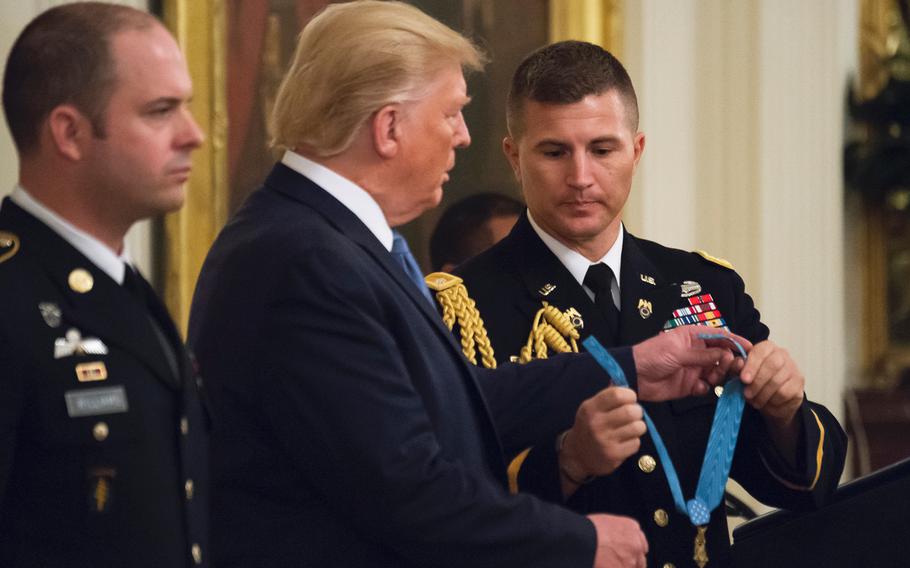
(551, 330)
(458, 306)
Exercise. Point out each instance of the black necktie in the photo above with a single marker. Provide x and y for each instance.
(599, 279)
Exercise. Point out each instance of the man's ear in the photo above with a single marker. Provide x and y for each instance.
(68, 129)
(510, 149)
(386, 130)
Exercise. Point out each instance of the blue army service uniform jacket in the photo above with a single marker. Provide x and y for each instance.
(350, 429)
(103, 455)
(510, 281)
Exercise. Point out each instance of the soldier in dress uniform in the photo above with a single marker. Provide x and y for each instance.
(569, 269)
(103, 436)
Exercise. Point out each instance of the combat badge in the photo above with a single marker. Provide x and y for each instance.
(689, 288)
(74, 344)
(51, 313)
(9, 246)
(644, 308)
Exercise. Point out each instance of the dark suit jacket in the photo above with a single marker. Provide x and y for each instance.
(96, 487)
(508, 283)
(351, 430)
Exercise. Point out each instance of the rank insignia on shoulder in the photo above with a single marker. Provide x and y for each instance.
(647, 279)
(439, 281)
(644, 308)
(714, 259)
(51, 313)
(689, 288)
(9, 246)
(547, 289)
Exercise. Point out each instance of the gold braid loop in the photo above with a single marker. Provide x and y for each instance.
(458, 306)
(550, 330)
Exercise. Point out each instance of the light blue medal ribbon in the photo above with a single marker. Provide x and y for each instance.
(715, 468)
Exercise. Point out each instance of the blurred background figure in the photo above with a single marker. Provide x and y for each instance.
(470, 226)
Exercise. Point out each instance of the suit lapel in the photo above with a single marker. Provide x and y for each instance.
(546, 279)
(645, 296)
(106, 310)
(296, 186)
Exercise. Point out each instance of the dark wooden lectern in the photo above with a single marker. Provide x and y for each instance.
(867, 524)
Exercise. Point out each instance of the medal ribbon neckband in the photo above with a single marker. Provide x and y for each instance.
(715, 468)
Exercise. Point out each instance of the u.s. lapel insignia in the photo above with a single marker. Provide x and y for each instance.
(81, 281)
(644, 308)
(89, 372)
(689, 288)
(51, 313)
(9, 246)
(74, 344)
(575, 318)
(546, 289)
(648, 279)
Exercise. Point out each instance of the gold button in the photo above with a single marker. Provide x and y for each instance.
(718, 390)
(101, 431)
(188, 487)
(80, 280)
(669, 565)
(646, 463)
(196, 551)
(184, 426)
(661, 518)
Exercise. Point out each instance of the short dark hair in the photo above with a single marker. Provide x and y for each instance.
(565, 73)
(63, 56)
(462, 231)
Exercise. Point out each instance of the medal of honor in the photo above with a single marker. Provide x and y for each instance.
(715, 468)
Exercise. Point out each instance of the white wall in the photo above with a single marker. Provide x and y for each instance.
(13, 18)
(742, 106)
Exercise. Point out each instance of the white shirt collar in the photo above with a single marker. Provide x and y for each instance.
(96, 251)
(351, 195)
(577, 264)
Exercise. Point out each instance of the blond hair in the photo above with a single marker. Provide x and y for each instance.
(351, 60)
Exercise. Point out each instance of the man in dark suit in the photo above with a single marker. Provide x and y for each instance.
(103, 440)
(574, 145)
(351, 431)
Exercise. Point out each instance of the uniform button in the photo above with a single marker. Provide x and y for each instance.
(184, 426)
(188, 488)
(647, 463)
(718, 390)
(661, 518)
(669, 565)
(196, 551)
(100, 431)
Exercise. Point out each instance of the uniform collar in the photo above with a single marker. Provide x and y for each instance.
(352, 196)
(577, 264)
(100, 254)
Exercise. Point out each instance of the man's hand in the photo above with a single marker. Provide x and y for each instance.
(607, 430)
(775, 387)
(677, 363)
(620, 542)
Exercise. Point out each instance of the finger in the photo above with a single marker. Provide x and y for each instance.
(623, 415)
(758, 357)
(704, 357)
(632, 431)
(614, 397)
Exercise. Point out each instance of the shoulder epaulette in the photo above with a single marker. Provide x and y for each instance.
(9, 246)
(457, 306)
(714, 259)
